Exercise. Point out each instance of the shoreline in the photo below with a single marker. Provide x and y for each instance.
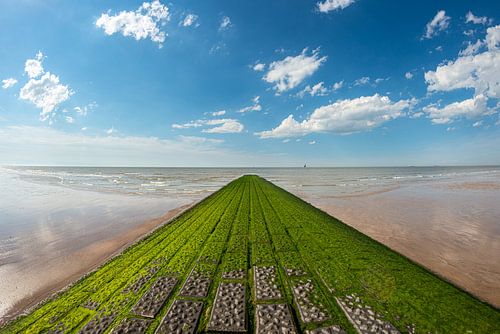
(95, 256)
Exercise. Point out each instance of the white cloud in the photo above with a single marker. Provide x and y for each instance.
(189, 20)
(254, 107)
(33, 67)
(226, 125)
(286, 140)
(225, 23)
(312, 142)
(111, 130)
(318, 89)
(417, 114)
(142, 23)
(42, 145)
(196, 140)
(493, 38)
(47, 146)
(192, 124)
(259, 67)
(218, 113)
(45, 93)
(84, 128)
(471, 108)
(338, 85)
(69, 119)
(343, 117)
(480, 72)
(83, 111)
(439, 23)
(471, 18)
(362, 81)
(291, 71)
(477, 124)
(379, 80)
(222, 125)
(409, 75)
(219, 48)
(472, 48)
(329, 5)
(9, 82)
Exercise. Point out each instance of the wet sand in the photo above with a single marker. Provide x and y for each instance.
(61, 272)
(450, 227)
(51, 236)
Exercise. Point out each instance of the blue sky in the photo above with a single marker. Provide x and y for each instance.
(249, 83)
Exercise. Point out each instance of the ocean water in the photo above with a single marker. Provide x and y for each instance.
(58, 222)
(198, 182)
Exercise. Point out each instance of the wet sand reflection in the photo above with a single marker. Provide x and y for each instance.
(452, 228)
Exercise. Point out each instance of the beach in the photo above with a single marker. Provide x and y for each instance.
(59, 223)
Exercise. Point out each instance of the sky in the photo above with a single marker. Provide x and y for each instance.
(249, 83)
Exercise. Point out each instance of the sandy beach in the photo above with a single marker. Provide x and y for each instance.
(450, 227)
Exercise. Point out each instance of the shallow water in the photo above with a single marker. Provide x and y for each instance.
(58, 222)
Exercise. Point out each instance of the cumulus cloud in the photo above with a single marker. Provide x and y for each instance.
(312, 142)
(439, 23)
(259, 67)
(480, 72)
(9, 82)
(329, 5)
(145, 22)
(342, 117)
(189, 20)
(409, 75)
(33, 67)
(254, 107)
(45, 93)
(225, 23)
(318, 89)
(222, 125)
(289, 72)
(493, 38)
(69, 119)
(111, 131)
(471, 18)
(471, 108)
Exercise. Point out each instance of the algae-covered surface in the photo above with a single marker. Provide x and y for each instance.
(254, 257)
